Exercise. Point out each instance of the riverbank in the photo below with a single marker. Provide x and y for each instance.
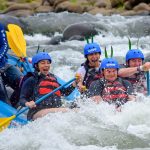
(23, 8)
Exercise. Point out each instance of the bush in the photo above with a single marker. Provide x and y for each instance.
(73, 1)
(25, 1)
(2, 4)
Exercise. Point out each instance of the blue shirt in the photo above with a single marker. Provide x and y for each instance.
(3, 46)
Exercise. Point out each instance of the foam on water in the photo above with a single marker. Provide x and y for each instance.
(91, 127)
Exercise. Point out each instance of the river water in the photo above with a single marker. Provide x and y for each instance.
(93, 127)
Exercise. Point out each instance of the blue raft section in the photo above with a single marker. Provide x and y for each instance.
(7, 111)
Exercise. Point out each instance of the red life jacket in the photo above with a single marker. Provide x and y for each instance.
(138, 82)
(47, 85)
(114, 91)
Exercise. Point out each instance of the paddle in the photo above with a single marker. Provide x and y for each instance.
(148, 83)
(5, 122)
(17, 43)
(18, 39)
(12, 45)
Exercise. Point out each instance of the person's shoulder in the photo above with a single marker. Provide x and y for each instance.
(30, 79)
(81, 68)
(97, 82)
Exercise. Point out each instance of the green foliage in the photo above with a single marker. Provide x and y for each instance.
(2, 4)
(25, 1)
(120, 4)
(92, 3)
(73, 1)
(29, 1)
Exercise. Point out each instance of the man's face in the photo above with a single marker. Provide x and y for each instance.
(136, 62)
(110, 74)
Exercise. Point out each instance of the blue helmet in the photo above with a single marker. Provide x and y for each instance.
(40, 56)
(91, 48)
(134, 53)
(109, 63)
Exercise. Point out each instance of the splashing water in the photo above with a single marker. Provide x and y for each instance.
(92, 127)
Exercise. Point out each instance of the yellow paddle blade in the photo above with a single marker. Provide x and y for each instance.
(18, 38)
(5, 122)
(12, 45)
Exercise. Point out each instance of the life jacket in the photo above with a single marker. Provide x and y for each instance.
(138, 81)
(114, 91)
(91, 75)
(45, 85)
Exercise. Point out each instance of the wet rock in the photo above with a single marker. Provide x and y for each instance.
(18, 7)
(68, 6)
(57, 2)
(101, 11)
(78, 30)
(35, 5)
(44, 9)
(142, 6)
(56, 40)
(21, 13)
(6, 19)
(129, 13)
(136, 2)
(101, 4)
(49, 2)
(127, 5)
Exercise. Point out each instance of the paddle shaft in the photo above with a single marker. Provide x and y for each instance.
(46, 96)
(148, 83)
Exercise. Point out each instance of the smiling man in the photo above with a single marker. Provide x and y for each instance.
(134, 70)
(111, 88)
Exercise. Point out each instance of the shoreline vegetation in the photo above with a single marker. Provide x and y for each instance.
(24, 8)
